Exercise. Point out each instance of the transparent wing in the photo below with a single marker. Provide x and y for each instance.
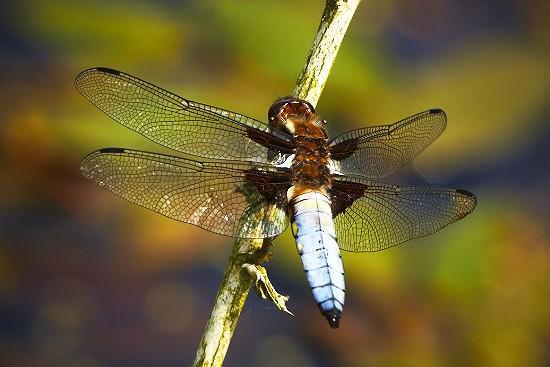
(378, 151)
(176, 122)
(232, 199)
(372, 216)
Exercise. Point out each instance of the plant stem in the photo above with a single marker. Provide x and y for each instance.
(229, 302)
(236, 282)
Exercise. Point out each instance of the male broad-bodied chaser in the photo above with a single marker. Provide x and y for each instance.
(257, 176)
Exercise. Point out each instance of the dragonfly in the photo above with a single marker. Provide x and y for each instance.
(253, 178)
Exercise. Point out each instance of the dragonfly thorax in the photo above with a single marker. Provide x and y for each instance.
(311, 164)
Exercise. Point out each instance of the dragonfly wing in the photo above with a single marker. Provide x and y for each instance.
(378, 151)
(178, 123)
(372, 216)
(232, 199)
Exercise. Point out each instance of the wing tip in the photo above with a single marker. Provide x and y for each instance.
(111, 150)
(440, 116)
(467, 194)
(101, 69)
(86, 167)
(436, 111)
(439, 112)
(86, 72)
(470, 197)
(107, 70)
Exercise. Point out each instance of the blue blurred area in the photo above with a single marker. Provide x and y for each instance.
(428, 27)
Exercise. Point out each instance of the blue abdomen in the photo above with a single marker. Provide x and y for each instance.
(313, 229)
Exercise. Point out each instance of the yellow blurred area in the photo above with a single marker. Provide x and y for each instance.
(88, 279)
(67, 26)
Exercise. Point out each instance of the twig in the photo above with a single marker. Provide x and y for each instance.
(248, 254)
(229, 302)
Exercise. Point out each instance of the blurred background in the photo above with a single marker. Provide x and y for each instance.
(88, 279)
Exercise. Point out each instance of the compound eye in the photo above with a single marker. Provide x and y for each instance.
(277, 106)
(281, 103)
(311, 108)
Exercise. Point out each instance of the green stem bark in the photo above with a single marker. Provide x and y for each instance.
(229, 302)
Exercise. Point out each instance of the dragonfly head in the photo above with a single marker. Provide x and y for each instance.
(286, 112)
(296, 117)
